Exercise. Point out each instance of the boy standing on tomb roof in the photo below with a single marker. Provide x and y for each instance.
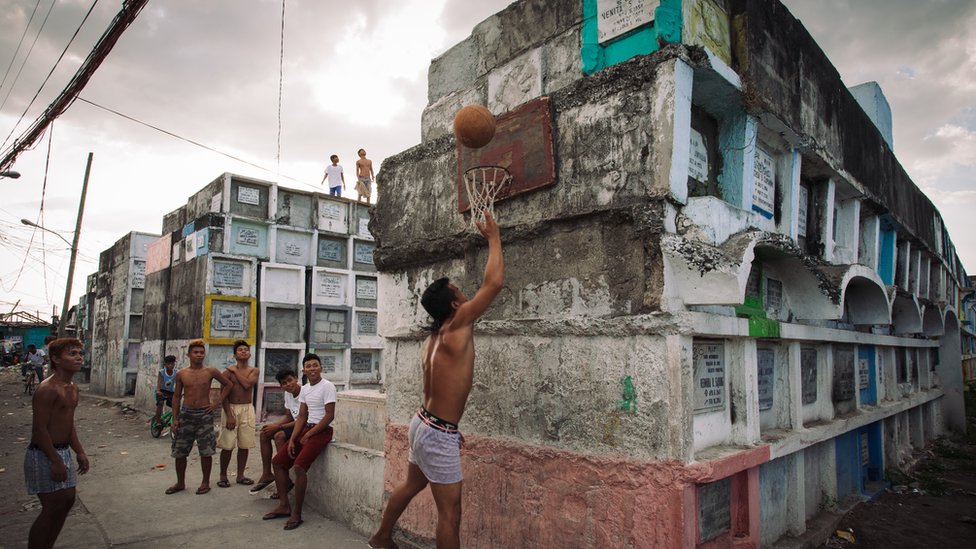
(448, 370)
(364, 176)
(337, 180)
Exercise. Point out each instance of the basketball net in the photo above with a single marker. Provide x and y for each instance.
(483, 184)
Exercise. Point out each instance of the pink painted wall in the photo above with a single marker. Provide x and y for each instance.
(519, 495)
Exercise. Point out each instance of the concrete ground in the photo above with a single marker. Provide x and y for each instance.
(121, 501)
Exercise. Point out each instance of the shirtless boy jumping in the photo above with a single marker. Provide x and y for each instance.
(448, 366)
(193, 416)
(48, 467)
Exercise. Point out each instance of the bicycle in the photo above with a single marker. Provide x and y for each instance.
(30, 381)
(156, 428)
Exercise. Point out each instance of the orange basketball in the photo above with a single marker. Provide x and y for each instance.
(474, 126)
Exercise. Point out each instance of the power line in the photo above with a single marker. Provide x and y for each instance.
(190, 141)
(48, 77)
(281, 75)
(24, 62)
(125, 17)
(17, 50)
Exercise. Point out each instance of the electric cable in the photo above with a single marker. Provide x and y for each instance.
(48, 77)
(281, 76)
(24, 62)
(19, 44)
(192, 142)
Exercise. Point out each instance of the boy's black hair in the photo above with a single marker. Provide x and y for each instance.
(284, 374)
(311, 356)
(169, 359)
(437, 299)
(239, 343)
(334, 156)
(32, 346)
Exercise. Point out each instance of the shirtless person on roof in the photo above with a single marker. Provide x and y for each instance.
(448, 364)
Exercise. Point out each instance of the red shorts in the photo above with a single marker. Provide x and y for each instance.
(306, 452)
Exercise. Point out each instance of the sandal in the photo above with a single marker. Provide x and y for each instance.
(223, 484)
(245, 481)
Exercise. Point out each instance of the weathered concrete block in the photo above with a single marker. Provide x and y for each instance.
(516, 82)
(561, 61)
(346, 483)
(361, 418)
(437, 119)
(455, 69)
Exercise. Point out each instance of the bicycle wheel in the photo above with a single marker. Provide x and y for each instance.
(155, 428)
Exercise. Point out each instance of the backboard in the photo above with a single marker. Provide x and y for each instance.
(523, 145)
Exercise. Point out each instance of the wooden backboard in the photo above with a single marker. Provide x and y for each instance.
(522, 144)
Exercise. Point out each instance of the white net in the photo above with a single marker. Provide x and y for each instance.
(483, 184)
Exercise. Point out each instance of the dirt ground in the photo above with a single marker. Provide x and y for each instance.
(931, 505)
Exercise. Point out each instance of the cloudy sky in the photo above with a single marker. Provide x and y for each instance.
(355, 76)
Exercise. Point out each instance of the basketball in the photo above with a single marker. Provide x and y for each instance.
(474, 126)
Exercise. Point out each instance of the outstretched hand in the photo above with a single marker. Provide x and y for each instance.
(488, 229)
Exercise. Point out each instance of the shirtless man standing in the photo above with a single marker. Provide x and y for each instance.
(364, 176)
(448, 364)
(48, 465)
(193, 416)
(238, 415)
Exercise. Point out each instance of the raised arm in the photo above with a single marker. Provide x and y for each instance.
(494, 276)
(246, 379)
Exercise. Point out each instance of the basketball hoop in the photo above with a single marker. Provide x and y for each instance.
(483, 184)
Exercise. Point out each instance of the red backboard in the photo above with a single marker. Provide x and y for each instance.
(522, 144)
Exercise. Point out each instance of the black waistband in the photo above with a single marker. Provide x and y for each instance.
(436, 422)
(62, 446)
(195, 411)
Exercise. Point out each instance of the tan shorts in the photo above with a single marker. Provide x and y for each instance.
(243, 435)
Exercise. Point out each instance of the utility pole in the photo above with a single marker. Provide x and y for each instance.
(74, 250)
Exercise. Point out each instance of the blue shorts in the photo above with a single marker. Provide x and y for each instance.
(37, 471)
(335, 191)
(436, 451)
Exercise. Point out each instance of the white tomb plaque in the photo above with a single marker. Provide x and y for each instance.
(139, 274)
(293, 249)
(228, 275)
(364, 227)
(764, 184)
(617, 17)
(215, 202)
(364, 253)
(774, 294)
(365, 288)
(361, 363)
(801, 216)
(862, 374)
(698, 158)
(709, 365)
(331, 210)
(330, 250)
(248, 195)
(766, 369)
(330, 286)
(177, 252)
(190, 246)
(328, 363)
(228, 317)
(247, 236)
(367, 323)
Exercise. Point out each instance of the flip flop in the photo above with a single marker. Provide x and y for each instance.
(272, 515)
(260, 486)
(224, 483)
(201, 491)
(292, 524)
(173, 490)
(245, 481)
